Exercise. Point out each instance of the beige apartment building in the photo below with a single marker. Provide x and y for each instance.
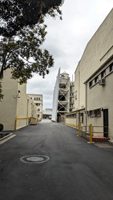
(99, 99)
(96, 58)
(16, 107)
(38, 101)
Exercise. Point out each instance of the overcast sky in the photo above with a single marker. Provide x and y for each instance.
(66, 41)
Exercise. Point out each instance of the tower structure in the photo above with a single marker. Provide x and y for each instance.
(61, 97)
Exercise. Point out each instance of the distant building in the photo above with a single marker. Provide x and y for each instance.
(47, 113)
(16, 107)
(38, 100)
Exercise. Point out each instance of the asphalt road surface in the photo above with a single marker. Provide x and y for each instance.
(75, 170)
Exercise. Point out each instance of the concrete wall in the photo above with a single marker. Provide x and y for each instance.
(93, 57)
(9, 102)
(72, 96)
(71, 121)
(22, 106)
(77, 89)
(15, 103)
(74, 118)
(25, 107)
(68, 95)
(101, 97)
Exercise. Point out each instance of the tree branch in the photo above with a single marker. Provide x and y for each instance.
(26, 60)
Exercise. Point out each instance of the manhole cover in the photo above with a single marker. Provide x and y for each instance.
(33, 159)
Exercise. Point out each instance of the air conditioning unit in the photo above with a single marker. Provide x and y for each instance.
(102, 81)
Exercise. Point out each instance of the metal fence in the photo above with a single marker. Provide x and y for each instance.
(93, 131)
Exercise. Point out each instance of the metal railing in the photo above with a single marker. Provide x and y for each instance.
(100, 130)
(90, 131)
(21, 117)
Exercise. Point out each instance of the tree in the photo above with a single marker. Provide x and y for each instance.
(16, 14)
(16, 53)
(23, 32)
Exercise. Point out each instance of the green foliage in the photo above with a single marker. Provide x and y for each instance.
(16, 14)
(23, 33)
(16, 53)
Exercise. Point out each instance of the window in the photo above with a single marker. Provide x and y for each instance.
(75, 96)
(38, 116)
(90, 83)
(95, 113)
(111, 67)
(103, 73)
(71, 116)
(37, 104)
(62, 76)
(96, 79)
(30, 97)
(91, 112)
(35, 98)
(38, 110)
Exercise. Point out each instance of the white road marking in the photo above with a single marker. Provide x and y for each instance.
(8, 138)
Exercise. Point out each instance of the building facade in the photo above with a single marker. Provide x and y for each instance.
(95, 67)
(15, 105)
(99, 99)
(72, 94)
(38, 101)
(47, 113)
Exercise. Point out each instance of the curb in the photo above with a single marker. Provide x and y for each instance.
(71, 126)
(6, 136)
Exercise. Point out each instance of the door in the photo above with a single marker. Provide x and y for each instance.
(58, 117)
(105, 122)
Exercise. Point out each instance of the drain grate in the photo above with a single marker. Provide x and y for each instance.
(34, 159)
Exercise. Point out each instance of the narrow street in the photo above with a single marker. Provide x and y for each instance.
(75, 170)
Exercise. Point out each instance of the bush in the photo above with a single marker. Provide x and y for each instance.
(1, 127)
